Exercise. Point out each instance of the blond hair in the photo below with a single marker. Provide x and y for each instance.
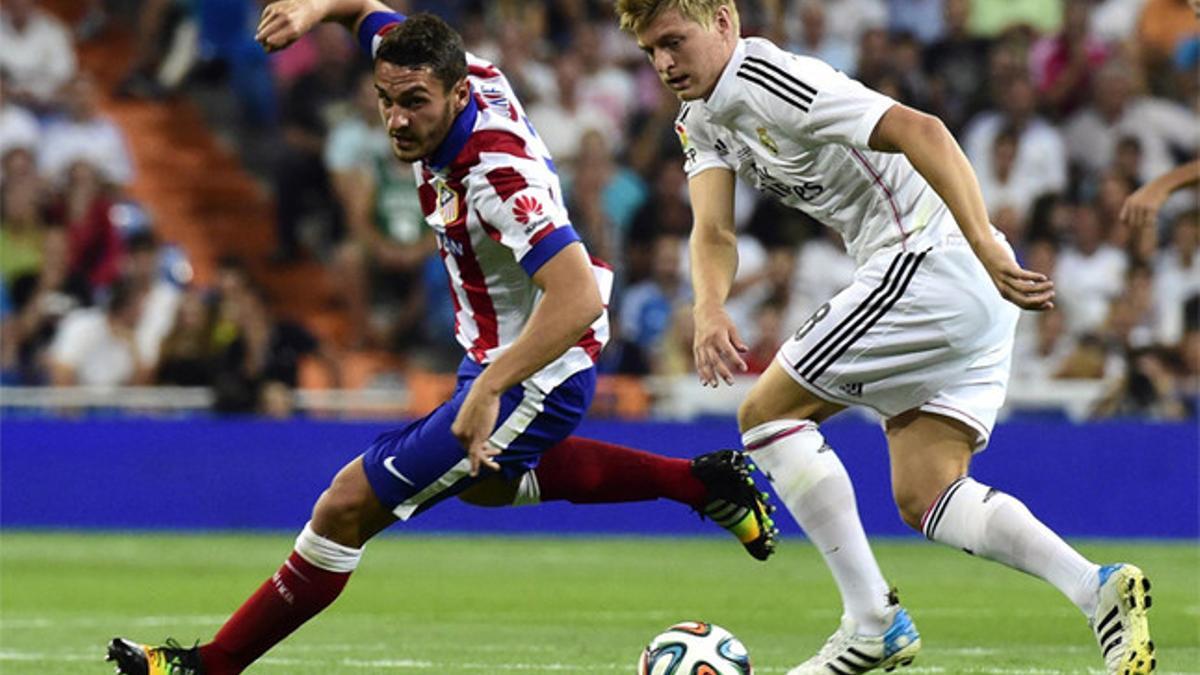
(635, 15)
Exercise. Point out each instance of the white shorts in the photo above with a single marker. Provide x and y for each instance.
(922, 329)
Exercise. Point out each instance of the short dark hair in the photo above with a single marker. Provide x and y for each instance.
(121, 296)
(425, 41)
(141, 240)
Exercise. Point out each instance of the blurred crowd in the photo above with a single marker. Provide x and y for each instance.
(1064, 107)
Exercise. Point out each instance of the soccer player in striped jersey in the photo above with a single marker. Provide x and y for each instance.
(923, 335)
(530, 314)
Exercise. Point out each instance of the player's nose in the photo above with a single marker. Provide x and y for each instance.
(397, 120)
(663, 62)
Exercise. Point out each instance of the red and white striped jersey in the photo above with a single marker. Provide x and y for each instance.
(491, 194)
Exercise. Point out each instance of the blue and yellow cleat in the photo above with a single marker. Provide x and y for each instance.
(1120, 624)
(169, 659)
(848, 653)
(734, 502)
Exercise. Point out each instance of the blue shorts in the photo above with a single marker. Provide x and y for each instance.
(422, 463)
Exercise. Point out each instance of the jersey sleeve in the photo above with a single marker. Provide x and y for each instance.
(821, 102)
(374, 27)
(700, 149)
(519, 209)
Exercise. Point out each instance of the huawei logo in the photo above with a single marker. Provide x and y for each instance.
(526, 208)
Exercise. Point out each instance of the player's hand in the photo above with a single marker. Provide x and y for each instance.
(473, 427)
(1141, 208)
(1023, 288)
(284, 22)
(717, 347)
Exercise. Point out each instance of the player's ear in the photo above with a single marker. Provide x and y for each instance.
(723, 20)
(460, 92)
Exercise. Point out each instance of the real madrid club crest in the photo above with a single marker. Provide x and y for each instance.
(447, 202)
(681, 132)
(767, 141)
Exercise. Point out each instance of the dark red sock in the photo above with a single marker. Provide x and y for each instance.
(587, 471)
(295, 594)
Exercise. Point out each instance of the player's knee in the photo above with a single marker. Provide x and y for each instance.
(751, 414)
(344, 507)
(769, 403)
(912, 504)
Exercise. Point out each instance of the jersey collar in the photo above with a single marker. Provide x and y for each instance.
(456, 139)
(722, 97)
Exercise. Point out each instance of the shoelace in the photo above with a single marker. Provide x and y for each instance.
(171, 654)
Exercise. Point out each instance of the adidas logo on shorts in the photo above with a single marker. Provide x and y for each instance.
(852, 388)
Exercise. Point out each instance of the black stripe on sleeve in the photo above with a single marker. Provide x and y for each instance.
(777, 81)
(783, 73)
(773, 90)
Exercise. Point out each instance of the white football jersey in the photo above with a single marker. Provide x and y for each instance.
(798, 130)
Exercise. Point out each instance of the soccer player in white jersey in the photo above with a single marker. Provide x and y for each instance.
(923, 335)
(530, 314)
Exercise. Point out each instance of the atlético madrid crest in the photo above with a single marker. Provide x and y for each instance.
(447, 203)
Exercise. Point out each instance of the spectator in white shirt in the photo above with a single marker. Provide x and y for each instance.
(161, 296)
(823, 268)
(530, 78)
(18, 126)
(814, 39)
(37, 57)
(1041, 156)
(848, 19)
(1090, 273)
(924, 19)
(1159, 125)
(604, 87)
(1115, 20)
(84, 134)
(1008, 194)
(97, 347)
(561, 121)
(1177, 277)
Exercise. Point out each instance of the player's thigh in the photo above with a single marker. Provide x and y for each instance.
(421, 464)
(928, 452)
(777, 395)
(495, 490)
(349, 512)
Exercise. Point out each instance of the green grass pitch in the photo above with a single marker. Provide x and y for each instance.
(475, 605)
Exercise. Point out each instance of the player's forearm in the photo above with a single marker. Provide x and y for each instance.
(1177, 178)
(285, 21)
(714, 261)
(569, 304)
(349, 12)
(559, 320)
(934, 153)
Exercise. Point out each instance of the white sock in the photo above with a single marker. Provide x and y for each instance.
(810, 479)
(326, 553)
(988, 523)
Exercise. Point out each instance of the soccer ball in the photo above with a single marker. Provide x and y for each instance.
(695, 648)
